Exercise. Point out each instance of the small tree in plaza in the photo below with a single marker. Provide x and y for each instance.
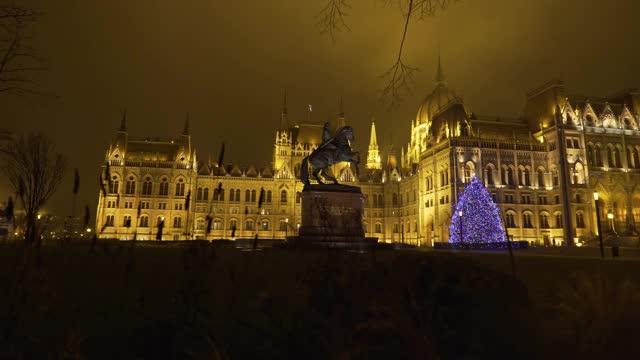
(476, 218)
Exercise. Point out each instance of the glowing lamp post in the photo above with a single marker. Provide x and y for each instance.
(461, 235)
(286, 228)
(595, 197)
(610, 217)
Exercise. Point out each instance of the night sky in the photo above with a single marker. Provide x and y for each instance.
(227, 63)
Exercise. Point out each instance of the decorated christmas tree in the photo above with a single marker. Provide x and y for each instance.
(476, 218)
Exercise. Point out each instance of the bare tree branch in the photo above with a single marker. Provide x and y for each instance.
(16, 58)
(34, 170)
(399, 78)
(331, 18)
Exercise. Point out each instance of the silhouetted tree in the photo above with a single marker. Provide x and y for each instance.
(18, 62)
(399, 77)
(34, 170)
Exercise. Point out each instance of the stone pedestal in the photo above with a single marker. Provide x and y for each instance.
(332, 216)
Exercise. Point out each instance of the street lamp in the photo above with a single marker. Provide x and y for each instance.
(595, 197)
(286, 228)
(460, 217)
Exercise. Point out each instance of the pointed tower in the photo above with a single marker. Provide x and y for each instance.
(440, 80)
(185, 137)
(284, 120)
(122, 136)
(340, 121)
(373, 155)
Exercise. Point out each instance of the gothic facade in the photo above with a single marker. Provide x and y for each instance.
(541, 169)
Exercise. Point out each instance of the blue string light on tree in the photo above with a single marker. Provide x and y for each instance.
(476, 218)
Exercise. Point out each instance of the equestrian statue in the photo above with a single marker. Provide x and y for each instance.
(332, 151)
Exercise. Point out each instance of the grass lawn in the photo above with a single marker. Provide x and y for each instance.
(203, 301)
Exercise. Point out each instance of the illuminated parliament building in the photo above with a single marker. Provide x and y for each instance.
(541, 169)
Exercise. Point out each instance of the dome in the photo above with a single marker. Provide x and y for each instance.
(434, 103)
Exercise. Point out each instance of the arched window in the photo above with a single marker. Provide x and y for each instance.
(636, 158)
(526, 220)
(616, 157)
(555, 177)
(237, 195)
(578, 174)
(469, 168)
(283, 225)
(144, 221)
(218, 195)
(114, 185)
(233, 224)
(164, 187)
(544, 220)
(490, 175)
(610, 160)
(264, 225)
(510, 219)
(597, 154)
(525, 176)
(268, 196)
(147, 186)
(205, 194)
(177, 222)
(540, 173)
(590, 157)
(247, 195)
(375, 200)
(199, 194)
(232, 193)
(126, 220)
(109, 220)
(579, 220)
(130, 187)
(200, 224)
(180, 187)
(298, 198)
(248, 225)
(283, 196)
(378, 228)
(217, 224)
(558, 220)
(253, 196)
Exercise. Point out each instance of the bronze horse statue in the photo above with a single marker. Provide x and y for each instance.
(332, 151)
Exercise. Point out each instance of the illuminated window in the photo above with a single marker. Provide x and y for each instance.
(200, 224)
(248, 225)
(130, 186)
(109, 220)
(264, 225)
(144, 221)
(378, 228)
(180, 188)
(164, 187)
(126, 220)
(177, 222)
(114, 185)
(147, 186)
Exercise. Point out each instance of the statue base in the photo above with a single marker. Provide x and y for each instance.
(332, 216)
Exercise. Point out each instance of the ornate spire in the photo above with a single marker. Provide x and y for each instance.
(373, 155)
(284, 121)
(123, 121)
(186, 129)
(439, 74)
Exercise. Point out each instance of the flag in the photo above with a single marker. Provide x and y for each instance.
(102, 188)
(87, 216)
(209, 219)
(107, 174)
(261, 199)
(221, 155)
(76, 182)
(8, 211)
